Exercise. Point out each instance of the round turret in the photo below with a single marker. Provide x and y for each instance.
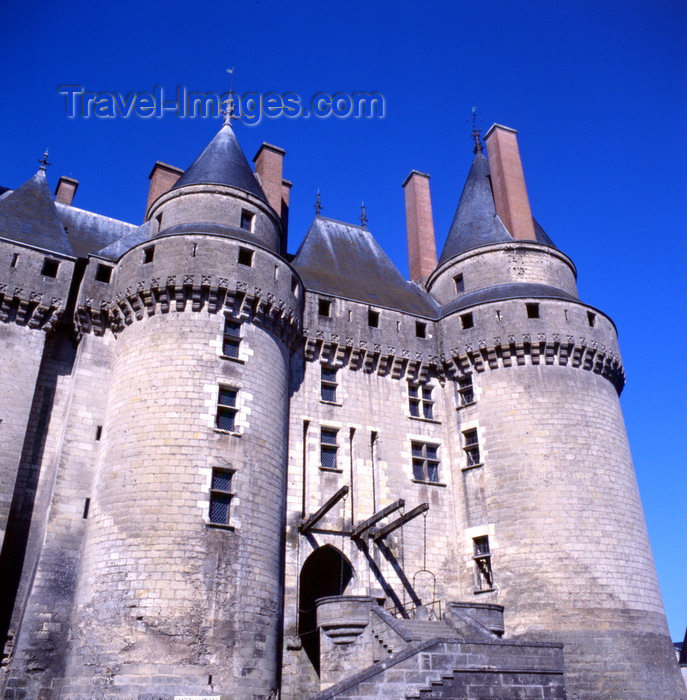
(181, 570)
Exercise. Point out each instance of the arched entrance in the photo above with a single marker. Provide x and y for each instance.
(325, 572)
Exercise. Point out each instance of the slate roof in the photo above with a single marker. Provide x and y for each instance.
(476, 223)
(345, 260)
(29, 215)
(116, 249)
(88, 232)
(222, 163)
(503, 292)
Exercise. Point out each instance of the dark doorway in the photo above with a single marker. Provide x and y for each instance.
(325, 572)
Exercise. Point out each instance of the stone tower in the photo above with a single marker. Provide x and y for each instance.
(235, 472)
(557, 499)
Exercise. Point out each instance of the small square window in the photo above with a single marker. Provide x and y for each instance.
(425, 462)
(148, 254)
(328, 384)
(328, 447)
(226, 409)
(373, 318)
(484, 577)
(103, 273)
(465, 390)
(532, 310)
(245, 257)
(420, 401)
(50, 267)
(591, 318)
(460, 284)
(220, 496)
(247, 219)
(420, 329)
(324, 307)
(231, 340)
(466, 321)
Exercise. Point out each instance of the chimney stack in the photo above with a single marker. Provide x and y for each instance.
(162, 178)
(269, 167)
(66, 189)
(508, 182)
(422, 251)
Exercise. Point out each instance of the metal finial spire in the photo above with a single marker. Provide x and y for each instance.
(363, 215)
(476, 132)
(318, 204)
(44, 160)
(229, 102)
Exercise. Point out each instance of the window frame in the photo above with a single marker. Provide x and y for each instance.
(217, 495)
(227, 410)
(329, 383)
(249, 218)
(472, 449)
(420, 401)
(329, 447)
(425, 461)
(465, 390)
(231, 339)
(483, 569)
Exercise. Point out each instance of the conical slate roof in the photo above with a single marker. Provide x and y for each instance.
(222, 163)
(476, 222)
(345, 260)
(28, 215)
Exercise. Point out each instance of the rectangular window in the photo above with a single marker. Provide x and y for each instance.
(465, 389)
(591, 318)
(373, 318)
(247, 220)
(532, 310)
(231, 339)
(471, 447)
(148, 254)
(103, 273)
(466, 321)
(324, 307)
(460, 284)
(425, 462)
(420, 401)
(15, 260)
(226, 409)
(484, 578)
(220, 496)
(245, 257)
(328, 384)
(328, 447)
(420, 329)
(50, 267)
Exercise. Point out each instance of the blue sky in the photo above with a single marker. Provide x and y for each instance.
(595, 90)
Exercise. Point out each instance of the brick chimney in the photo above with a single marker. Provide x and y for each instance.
(422, 251)
(66, 189)
(269, 167)
(508, 182)
(162, 178)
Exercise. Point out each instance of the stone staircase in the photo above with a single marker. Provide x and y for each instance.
(451, 669)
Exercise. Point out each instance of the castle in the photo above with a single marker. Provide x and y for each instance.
(234, 472)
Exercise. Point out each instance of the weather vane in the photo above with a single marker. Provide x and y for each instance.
(476, 132)
(228, 112)
(363, 215)
(318, 204)
(44, 160)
